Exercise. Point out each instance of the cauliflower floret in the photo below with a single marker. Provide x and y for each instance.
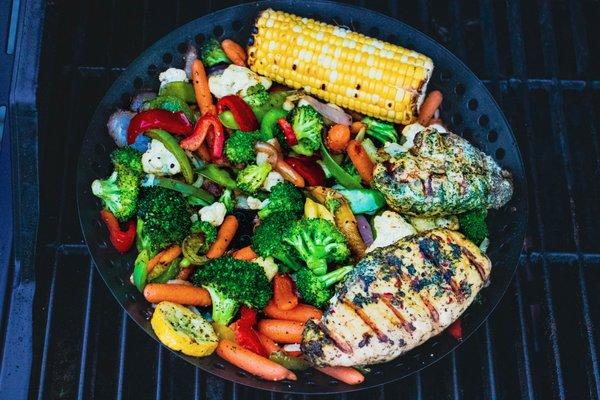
(422, 224)
(254, 203)
(261, 158)
(389, 228)
(172, 75)
(213, 214)
(235, 79)
(273, 179)
(269, 265)
(157, 160)
(439, 127)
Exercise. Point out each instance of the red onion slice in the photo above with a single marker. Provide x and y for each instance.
(364, 229)
(333, 114)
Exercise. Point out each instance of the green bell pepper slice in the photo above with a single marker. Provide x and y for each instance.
(289, 362)
(218, 176)
(269, 122)
(170, 103)
(181, 89)
(140, 270)
(276, 100)
(172, 145)
(163, 275)
(363, 201)
(341, 176)
(185, 189)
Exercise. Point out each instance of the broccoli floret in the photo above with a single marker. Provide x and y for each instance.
(267, 240)
(119, 192)
(228, 200)
(380, 130)
(233, 282)
(211, 53)
(284, 197)
(128, 158)
(251, 178)
(208, 231)
(239, 148)
(256, 96)
(318, 242)
(165, 215)
(307, 124)
(472, 225)
(317, 290)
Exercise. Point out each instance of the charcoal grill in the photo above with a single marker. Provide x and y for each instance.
(536, 59)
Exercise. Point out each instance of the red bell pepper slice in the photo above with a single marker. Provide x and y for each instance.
(242, 113)
(288, 132)
(307, 168)
(121, 240)
(455, 329)
(201, 129)
(175, 123)
(245, 335)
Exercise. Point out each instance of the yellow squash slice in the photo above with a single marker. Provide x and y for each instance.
(180, 329)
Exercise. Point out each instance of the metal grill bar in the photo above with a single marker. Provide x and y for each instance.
(86, 334)
(559, 124)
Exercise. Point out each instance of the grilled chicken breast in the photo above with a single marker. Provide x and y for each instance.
(442, 174)
(396, 298)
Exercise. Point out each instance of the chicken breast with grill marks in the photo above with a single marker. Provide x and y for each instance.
(442, 174)
(396, 298)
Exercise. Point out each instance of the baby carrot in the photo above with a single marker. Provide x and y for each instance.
(245, 253)
(234, 52)
(300, 313)
(226, 233)
(201, 89)
(283, 292)
(281, 331)
(361, 160)
(177, 293)
(268, 343)
(432, 102)
(164, 257)
(185, 273)
(338, 138)
(252, 362)
(347, 375)
(356, 127)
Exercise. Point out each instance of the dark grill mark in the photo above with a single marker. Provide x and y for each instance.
(408, 327)
(336, 339)
(433, 313)
(367, 320)
(474, 262)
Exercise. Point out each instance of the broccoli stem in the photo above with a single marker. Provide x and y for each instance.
(223, 308)
(335, 276)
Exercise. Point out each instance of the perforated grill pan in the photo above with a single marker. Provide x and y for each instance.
(468, 108)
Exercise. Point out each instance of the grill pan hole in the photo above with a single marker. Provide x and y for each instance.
(309, 383)
(445, 76)
(242, 374)
(120, 281)
(199, 38)
(334, 382)
(374, 31)
(473, 104)
(131, 298)
(484, 120)
(218, 365)
(468, 134)
(236, 25)
(182, 47)
(138, 82)
(100, 148)
(152, 69)
(456, 119)
(505, 228)
(459, 89)
(492, 136)
(500, 153)
(218, 31)
(167, 58)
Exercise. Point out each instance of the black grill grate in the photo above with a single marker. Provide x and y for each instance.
(539, 61)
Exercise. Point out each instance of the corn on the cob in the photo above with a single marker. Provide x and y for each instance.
(340, 66)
